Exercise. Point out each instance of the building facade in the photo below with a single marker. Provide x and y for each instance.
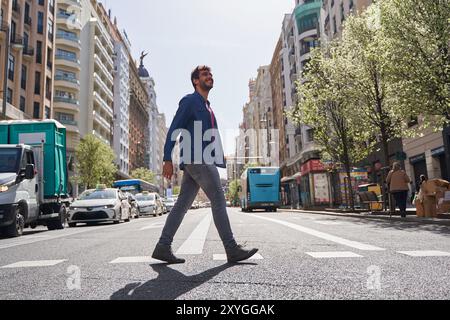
(139, 120)
(27, 40)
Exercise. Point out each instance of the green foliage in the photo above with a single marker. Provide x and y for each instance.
(95, 162)
(143, 174)
(233, 192)
(415, 48)
(176, 190)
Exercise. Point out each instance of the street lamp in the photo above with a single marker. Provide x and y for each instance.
(6, 28)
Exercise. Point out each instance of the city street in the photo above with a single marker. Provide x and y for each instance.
(301, 256)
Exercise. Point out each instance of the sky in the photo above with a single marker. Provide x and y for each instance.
(233, 37)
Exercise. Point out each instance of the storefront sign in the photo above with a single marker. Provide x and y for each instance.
(321, 188)
(312, 166)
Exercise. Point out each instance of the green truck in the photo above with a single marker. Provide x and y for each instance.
(33, 176)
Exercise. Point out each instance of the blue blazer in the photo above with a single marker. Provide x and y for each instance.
(192, 112)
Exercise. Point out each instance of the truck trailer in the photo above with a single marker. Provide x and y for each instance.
(33, 176)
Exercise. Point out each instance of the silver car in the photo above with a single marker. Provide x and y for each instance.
(99, 205)
(149, 204)
(169, 202)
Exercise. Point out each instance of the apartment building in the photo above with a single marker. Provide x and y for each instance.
(27, 42)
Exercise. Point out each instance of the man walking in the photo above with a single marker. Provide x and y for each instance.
(199, 162)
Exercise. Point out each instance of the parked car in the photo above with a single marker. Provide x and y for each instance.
(134, 206)
(149, 204)
(99, 205)
(169, 203)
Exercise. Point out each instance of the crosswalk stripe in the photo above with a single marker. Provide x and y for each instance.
(157, 225)
(196, 241)
(222, 256)
(134, 260)
(425, 253)
(327, 255)
(323, 235)
(33, 264)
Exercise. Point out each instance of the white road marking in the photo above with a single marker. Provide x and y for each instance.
(323, 235)
(134, 260)
(153, 226)
(331, 223)
(196, 241)
(10, 243)
(32, 264)
(328, 255)
(425, 253)
(222, 256)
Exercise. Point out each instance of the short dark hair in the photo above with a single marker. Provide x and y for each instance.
(196, 73)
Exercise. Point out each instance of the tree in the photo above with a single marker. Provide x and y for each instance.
(143, 174)
(326, 104)
(176, 190)
(374, 98)
(233, 192)
(416, 50)
(95, 162)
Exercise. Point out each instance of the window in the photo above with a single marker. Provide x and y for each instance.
(66, 54)
(47, 112)
(334, 25)
(11, 64)
(48, 89)
(9, 95)
(342, 13)
(40, 23)
(22, 103)
(36, 110)
(39, 52)
(27, 18)
(41, 2)
(309, 22)
(64, 117)
(351, 5)
(25, 40)
(23, 81)
(50, 30)
(310, 135)
(37, 83)
(49, 59)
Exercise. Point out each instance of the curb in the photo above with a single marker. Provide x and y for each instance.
(435, 221)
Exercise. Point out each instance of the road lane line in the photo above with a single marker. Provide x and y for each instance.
(322, 235)
(222, 257)
(196, 241)
(134, 260)
(337, 254)
(153, 226)
(425, 253)
(32, 264)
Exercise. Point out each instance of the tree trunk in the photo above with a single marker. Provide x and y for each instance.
(348, 170)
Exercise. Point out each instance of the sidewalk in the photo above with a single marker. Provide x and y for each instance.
(443, 219)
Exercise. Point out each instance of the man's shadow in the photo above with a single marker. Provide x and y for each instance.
(169, 285)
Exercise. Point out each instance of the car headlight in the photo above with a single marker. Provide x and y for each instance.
(110, 206)
(4, 188)
(73, 208)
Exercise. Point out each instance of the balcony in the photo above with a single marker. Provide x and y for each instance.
(102, 121)
(28, 52)
(68, 40)
(103, 86)
(101, 137)
(68, 61)
(104, 70)
(27, 20)
(71, 21)
(16, 42)
(76, 3)
(71, 125)
(105, 36)
(102, 103)
(67, 82)
(16, 8)
(104, 52)
(66, 103)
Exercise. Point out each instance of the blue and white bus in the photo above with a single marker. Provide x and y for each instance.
(135, 186)
(260, 189)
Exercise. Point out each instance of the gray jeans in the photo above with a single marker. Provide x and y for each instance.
(207, 177)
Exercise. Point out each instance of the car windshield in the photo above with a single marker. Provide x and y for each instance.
(169, 201)
(149, 197)
(9, 160)
(98, 194)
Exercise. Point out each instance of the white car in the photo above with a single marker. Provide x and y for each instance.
(149, 204)
(99, 205)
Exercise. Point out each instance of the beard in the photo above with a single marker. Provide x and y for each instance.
(206, 87)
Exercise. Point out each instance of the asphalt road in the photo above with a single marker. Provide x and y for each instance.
(301, 256)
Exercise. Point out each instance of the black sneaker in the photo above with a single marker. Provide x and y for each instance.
(164, 253)
(239, 253)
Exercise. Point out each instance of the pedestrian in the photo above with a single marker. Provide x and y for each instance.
(199, 161)
(418, 198)
(398, 181)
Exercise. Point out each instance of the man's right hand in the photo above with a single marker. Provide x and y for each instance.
(168, 170)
